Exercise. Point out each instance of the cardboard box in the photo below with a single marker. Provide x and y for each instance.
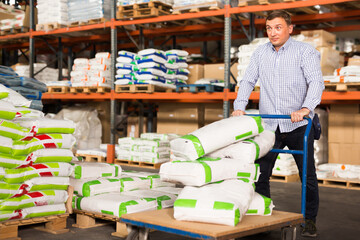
(217, 71)
(133, 127)
(330, 60)
(344, 124)
(320, 38)
(213, 113)
(196, 73)
(344, 153)
(180, 118)
(354, 62)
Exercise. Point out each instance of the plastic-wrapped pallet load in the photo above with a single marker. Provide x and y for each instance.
(52, 11)
(247, 150)
(215, 136)
(207, 170)
(220, 203)
(345, 171)
(84, 10)
(164, 200)
(115, 204)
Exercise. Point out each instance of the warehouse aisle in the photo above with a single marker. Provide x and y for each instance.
(339, 218)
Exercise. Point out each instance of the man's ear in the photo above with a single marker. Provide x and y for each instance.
(291, 28)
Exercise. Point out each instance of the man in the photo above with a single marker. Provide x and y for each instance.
(291, 83)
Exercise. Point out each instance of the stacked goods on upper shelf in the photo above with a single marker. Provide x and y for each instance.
(30, 88)
(103, 188)
(131, 2)
(150, 147)
(181, 5)
(152, 66)
(84, 10)
(34, 160)
(52, 12)
(216, 165)
(92, 72)
(347, 74)
(11, 17)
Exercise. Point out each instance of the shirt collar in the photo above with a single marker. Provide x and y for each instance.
(285, 46)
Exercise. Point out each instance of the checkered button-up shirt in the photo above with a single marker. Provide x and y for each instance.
(290, 79)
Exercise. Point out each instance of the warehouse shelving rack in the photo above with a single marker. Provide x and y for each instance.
(225, 22)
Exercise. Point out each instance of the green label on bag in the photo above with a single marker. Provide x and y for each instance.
(122, 207)
(197, 144)
(242, 136)
(107, 212)
(188, 203)
(223, 205)
(258, 123)
(252, 211)
(243, 174)
(237, 217)
(86, 187)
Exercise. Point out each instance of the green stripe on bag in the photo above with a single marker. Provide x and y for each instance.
(122, 207)
(107, 212)
(78, 203)
(223, 205)
(242, 136)
(43, 214)
(267, 202)
(237, 217)
(6, 150)
(106, 175)
(87, 185)
(243, 174)
(207, 169)
(257, 166)
(78, 172)
(258, 123)
(56, 130)
(197, 144)
(256, 146)
(53, 159)
(188, 203)
(252, 211)
(7, 115)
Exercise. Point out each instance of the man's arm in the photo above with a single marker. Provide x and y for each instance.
(310, 64)
(247, 85)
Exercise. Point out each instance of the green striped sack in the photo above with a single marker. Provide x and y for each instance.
(12, 130)
(95, 170)
(43, 211)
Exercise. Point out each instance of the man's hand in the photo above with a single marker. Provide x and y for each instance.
(237, 113)
(299, 115)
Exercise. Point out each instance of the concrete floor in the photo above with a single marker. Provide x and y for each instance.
(338, 218)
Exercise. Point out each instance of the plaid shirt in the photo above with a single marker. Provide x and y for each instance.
(290, 79)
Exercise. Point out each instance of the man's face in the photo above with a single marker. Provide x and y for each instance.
(278, 32)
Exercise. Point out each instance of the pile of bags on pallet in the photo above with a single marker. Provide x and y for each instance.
(131, 2)
(94, 72)
(216, 165)
(34, 160)
(344, 171)
(105, 189)
(152, 66)
(180, 5)
(30, 88)
(150, 148)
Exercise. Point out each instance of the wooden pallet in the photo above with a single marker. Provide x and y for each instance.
(284, 178)
(91, 158)
(198, 88)
(49, 26)
(14, 30)
(143, 10)
(58, 89)
(87, 22)
(256, 88)
(89, 89)
(55, 224)
(339, 183)
(243, 3)
(342, 87)
(137, 164)
(194, 8)
(141, 88)
(86, 219)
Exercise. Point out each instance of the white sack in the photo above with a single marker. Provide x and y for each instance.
(260, 205)
(207, 170)
(95, 170)
(220, 203)
(216, 135)
(164, 200)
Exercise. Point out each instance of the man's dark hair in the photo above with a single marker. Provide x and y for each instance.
(280, 14)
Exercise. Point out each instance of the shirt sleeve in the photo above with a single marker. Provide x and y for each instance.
(248, 82)
(312, 72)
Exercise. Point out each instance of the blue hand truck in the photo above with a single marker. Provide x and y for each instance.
(139, 224)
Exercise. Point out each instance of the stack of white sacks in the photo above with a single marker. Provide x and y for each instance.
(150, 147)
(34, 160)
(216, 165)
(106, 189)
(84, 10)
(345, 74)
(152, 66)
(15, 17)
(344, 171)
(92, 72)
(180, 5)
(52, 12)
(285, 165)
(131, 2)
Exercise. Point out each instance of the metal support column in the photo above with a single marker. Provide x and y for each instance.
(205, 51)
(70, 61)
(227, 46)
(141, 39)
(60, 59)
(111, 146)
(174, 42)
(252, 27)
(32, 40)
